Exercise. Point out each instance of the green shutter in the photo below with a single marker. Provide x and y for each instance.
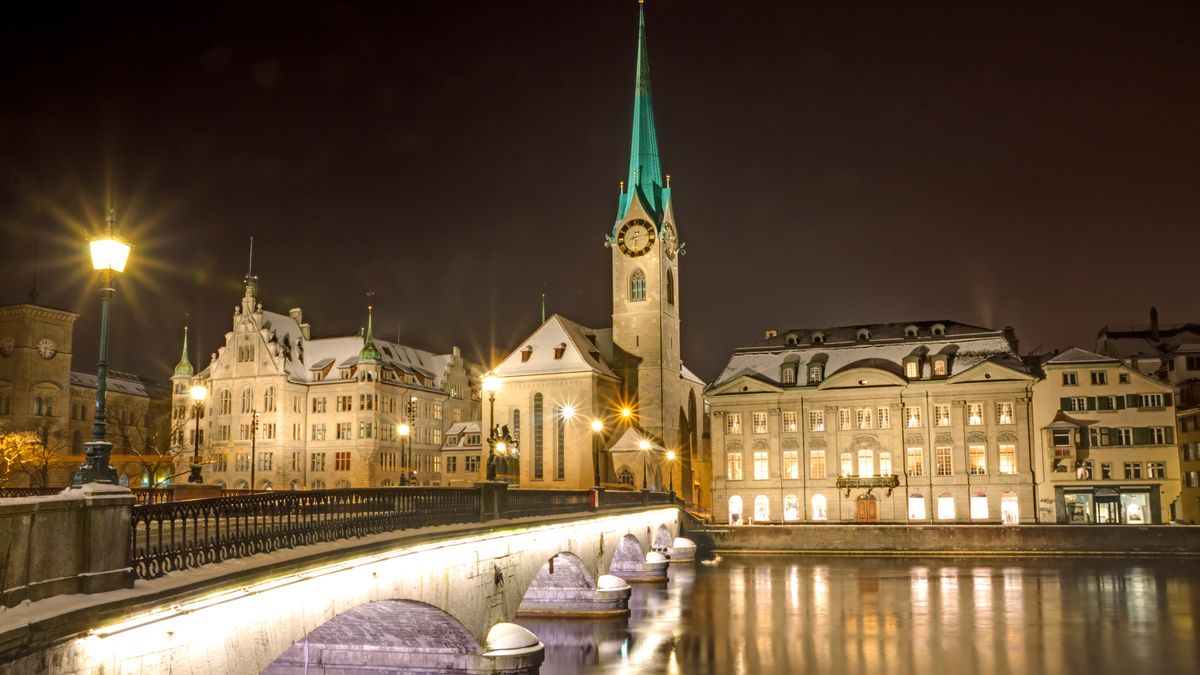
(1167, 400)
(1091, 403)
(1120, 402)
(1141, 436)
(1103, 403)
(1113, 437)
(1064, 403)
(1170, 435)
(1133, 400)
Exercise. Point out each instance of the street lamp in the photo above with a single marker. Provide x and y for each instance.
(597, 427)
(403, 429)
(644, 446)
(626, 413)
(671, 469)
(253, 447)
(199, 393)
(109, 255)
(410, 474)
(491, 384)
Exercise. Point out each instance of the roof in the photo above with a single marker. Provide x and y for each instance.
(125, 383)
(1064, 421)
(1077, 355)
(689, 375)
(582, 350)
(645, 178)
(964, 345)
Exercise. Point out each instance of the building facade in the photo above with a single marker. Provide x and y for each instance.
(462, 454)
(1167, 352)
(1106, 439)
(629, 379)
(290, 411)
(927, 422)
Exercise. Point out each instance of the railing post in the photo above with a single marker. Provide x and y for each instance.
(596, 498)
(493, 499)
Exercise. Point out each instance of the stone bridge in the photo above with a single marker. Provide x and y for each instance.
(435, 597)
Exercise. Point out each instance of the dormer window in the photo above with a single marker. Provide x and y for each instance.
(788, 374)
(815, 373)
(792, 339)
(910, 331)
(912, 368)
(817, 338)
(864, 334)
(526, 353)
(560, 350)
(938, 330)
(939, 366)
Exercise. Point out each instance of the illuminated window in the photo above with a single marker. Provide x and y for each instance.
(734, 471)
(974, 414)
(637, 286)
(945, 507)
(761, 469)
(820, 510)
(789, 421)
(1008, 459)
(864, 418)
(733, 423)
(816, 420)
(912, 416)
(977, 459)
(847, 464)
(788, 375)
(537, 437)
(912, 370)
(762, 509)
(941, 415)
(1004, 412)
(791, 507)
(939, 366)
(1009, 509)
(914, 461)
(916, 507)
(884, 417)
(885, 464)
(843, 418)
(979, 506)
(816, 464)
(735, 507)
(814, 374)
(791, 464)
(944, 465)
(866, 463)
(759, 422)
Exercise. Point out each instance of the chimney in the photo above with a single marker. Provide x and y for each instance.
(1011, 335)
(770, 333)
(1154, 323)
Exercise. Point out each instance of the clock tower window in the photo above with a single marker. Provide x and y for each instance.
(670, 287)
(637, 286)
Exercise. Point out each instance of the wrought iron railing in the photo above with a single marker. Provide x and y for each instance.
(611, 498)
(546, 502)
(11, 492)
(170, 536)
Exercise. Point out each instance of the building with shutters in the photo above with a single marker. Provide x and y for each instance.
(1189, 464)
(1105, 434)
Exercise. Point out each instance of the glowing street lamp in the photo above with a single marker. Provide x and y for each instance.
(626, 413)
(109, 255)
(199, 393)
(644, 446)
(491, 384)
(671, 469)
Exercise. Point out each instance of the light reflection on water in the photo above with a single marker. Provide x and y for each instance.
(779, 614)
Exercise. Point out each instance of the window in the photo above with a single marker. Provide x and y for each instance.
(866, 463)
(318, 405)
(471, 463)
(365, 429)
(1004, 412)
(1158, 435)
(945, 507)
(941, 415)
(820, 511)
(341, 461)
(295, 432)
(914, 459)
(318, 432)
(560, 444)
(247, 400)
(762, 509)
(220, 463)
(1133, 469)
(884, 417)
(733, 423)
(637, 286)
(437, 411)
(1060, 438)
(816, 420)
(538, 469)
(916, 507)
(243, 432)
(789, 374)
(1076, 404)
(224, 403)
(1191, 479)
(344, 431)
(912, 370)
(1123, 378)
(912, 416)
(791, 507)
(943, 458)
(345, 403)
(1125, 436)
(735, 502)
(1008, 459)
(843, 418)
(979, 506)
(735, 466)
(269, 400)
(1156, 470)
(885, 464)
(366, 401)
(1106, 471)
(1192, 362)
(1070, 378)
(245, 353)
(864, 419)
(847, 464)
(977, 460)
(761, 470)
(241, 461)
(791, 464)
(268, 431)
(1152, 401)
(1099, 377)
(939, 366)
(814, 374)
(816, 464)
(758, 421)
(789, 421)
(974, 414)
(265, 461)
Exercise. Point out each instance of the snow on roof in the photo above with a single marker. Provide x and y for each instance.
(1077, 355)
(463, 428)
(1126, 347)
(965, 346)
(125, 383)
(689, 375)
(580, 351)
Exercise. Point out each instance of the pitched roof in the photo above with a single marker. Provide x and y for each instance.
(1077, 355)
(125, 383)
(580, 351)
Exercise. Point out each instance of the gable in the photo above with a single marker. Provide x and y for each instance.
(860, 378)
(745, 384)
(555, 347)
(989, 371)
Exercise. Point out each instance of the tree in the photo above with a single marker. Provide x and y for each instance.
(150, 435)
(18, 449)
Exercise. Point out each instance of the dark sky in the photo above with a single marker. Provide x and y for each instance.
(832, 163)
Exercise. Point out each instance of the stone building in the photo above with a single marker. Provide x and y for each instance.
(462, 454)
(329, 409)
(927, 422)
(1106, 438)
(629, 378)
(1168, 352)
(41, 391)
(1189, 464)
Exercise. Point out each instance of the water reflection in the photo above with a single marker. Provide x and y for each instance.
(759, 614)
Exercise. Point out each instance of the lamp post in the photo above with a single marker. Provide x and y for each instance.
(253, 446)
(410, 474)
(109, 255)
(671, 470)
(644, 446)
(491, 384)
(597, 427)
(403, 429)
(199, 393)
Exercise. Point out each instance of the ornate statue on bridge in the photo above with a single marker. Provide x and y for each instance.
(503, 454)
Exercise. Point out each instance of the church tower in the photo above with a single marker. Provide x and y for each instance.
(645, 280)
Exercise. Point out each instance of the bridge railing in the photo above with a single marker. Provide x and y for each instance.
(170, 536)
(14, 492)
(525, 502)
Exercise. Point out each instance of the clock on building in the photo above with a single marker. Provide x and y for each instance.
(636, 238)
(670, 242)
(46, 348)
(6, 346)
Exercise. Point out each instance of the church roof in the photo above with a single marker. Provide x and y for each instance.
(645, 170)
(557, 346)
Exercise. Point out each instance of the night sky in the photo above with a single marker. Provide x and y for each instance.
(832, 163)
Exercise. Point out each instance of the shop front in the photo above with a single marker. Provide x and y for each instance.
(1109, 505)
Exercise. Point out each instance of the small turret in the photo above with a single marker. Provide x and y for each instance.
(369, 353)
(184, 367)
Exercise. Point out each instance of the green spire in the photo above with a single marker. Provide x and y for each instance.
(369, 353)
(184, 367)
(645, 172)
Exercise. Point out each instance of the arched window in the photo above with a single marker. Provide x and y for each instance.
(820, 511)
(516, 423)
(637, 286)
(247, 400)
(735, 510)
(791, 507)
(979, 506)
(560, 445)
(625, 476)
(342, 484)
(788, 375)
(538, 467)
(225, 402)
(670, 287)
(269, 400)
(762, 509)
(317, 484)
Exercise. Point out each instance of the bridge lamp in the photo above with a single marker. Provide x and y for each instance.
(671, 469)
(597, 427)
(626, 413)
(644, 446)
(199, 392)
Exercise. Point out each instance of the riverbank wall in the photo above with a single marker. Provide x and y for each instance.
(975, 540)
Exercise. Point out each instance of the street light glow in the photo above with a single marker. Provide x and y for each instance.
(670, 455)
(568, 412)
(626, 412)
(644, 444)
(402, 428)
(502, 447)
(597, 426)
(109, 253)
(491, 383)
(199, 393)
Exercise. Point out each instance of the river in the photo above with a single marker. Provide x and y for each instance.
(945, 616)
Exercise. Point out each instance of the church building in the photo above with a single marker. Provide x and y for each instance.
(614, 406)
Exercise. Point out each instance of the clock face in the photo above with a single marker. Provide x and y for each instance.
(6, 346)
(46, 348)
(636, 238)
(670, 243)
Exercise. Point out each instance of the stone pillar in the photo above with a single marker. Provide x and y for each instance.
(493, 499)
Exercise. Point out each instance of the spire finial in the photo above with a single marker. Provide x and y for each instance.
(184, 367)
(543, 308)
(369, 353)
